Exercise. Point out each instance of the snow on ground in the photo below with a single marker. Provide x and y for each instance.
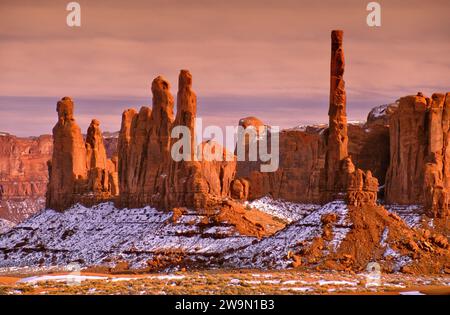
(103, 235)
(5, 225)
(411, 214)
(287, 211)
(272, 251)
(411, 293)
(60, 278)
(94, 236)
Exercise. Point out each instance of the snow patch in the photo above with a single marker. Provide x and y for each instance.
(60, 278)
(285, 210)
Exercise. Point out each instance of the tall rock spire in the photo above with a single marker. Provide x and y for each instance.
(79, 171)
(337, 149)
(68, 166)
(186, 106)
(96, 160)
(342, 178)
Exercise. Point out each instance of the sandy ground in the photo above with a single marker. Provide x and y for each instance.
(224, 282)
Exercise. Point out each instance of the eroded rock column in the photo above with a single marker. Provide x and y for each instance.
(67, 169)
(337, 146)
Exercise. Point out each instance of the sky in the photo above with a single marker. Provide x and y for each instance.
(261, 58)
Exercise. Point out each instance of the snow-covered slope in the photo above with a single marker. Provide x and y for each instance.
(411, 214)
(5, 226)
(273, 251)
(287, 211)
(105, 235)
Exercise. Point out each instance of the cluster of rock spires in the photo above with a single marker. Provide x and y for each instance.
(148, 174)
(79, 170)
(317, 164)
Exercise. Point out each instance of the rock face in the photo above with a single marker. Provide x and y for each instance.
(79, 171)
(23, 175)
(144, 149)
(102, 172)
(297, 179)
(315, 165)
(361, 187)
(419, 159)
(337, 140)
(380, 115)
(68, 165)
(368, 145)
(149, 174)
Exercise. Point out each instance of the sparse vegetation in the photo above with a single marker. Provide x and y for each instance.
(234, 282)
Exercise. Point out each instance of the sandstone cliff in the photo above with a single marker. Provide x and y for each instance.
(23, 175)
(419, 157)
(302, 155)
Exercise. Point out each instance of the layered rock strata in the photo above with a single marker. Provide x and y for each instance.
(419, 153)
(23, 175)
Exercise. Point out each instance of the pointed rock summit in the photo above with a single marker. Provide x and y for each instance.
(342, 179)
(79, 171)
(68, 166)
(337, 142)
(148, 173)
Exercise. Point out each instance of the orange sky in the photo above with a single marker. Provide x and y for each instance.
(263, 58)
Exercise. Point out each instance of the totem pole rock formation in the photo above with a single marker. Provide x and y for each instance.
(341, 177)
(337, 142)
(420, 156)
(185, 183)
(78, 171)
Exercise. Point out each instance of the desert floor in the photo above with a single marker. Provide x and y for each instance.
(221, 282)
